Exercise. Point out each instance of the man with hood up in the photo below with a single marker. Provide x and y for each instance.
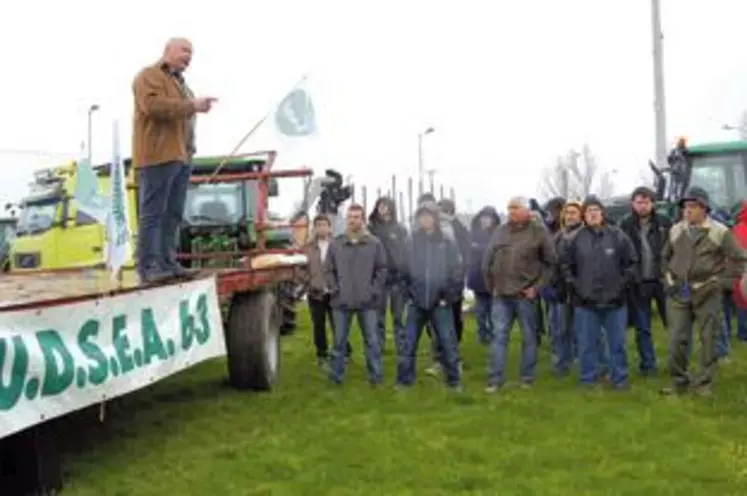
(647, 230)
(483, 226)
(433, 278)
(383, 224)
(599, 263)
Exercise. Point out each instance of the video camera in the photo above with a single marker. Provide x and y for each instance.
(333, 193)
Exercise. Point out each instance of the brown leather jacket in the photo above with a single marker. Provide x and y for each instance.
(161, 118)
(312, 275)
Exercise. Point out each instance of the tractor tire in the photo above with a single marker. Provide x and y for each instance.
(253, 341)
(287, 308)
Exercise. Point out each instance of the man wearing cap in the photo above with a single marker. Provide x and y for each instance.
(648, 231)
(519, 260)
(433, 278)
(598, 264)
(701, 259)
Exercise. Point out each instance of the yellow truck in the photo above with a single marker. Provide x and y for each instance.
(53, 234)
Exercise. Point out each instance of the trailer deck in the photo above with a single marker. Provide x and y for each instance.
(44, 288)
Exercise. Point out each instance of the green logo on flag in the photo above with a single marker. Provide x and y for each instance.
(295, 116)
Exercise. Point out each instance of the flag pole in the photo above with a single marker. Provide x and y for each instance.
(251, 131)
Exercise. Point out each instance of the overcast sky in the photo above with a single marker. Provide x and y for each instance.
(507, 85)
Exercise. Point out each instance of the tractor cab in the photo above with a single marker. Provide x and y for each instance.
(719, 168)
(224, 213)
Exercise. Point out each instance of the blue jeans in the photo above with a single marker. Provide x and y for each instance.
(505, 311)
(644, 340)
(441, 321)
(560, 335)
(162, 194)
(742, 324)
(483, 305)
(603, 356)
(394, 296)
(590, 324)
(367, 320)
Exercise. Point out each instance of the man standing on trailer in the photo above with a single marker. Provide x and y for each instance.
(355, 273)
(163, 144)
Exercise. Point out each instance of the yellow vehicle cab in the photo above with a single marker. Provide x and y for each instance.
(52, 233)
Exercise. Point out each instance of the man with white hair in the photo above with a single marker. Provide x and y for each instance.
(519, 260)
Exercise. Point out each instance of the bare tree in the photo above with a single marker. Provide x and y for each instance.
(577, 175)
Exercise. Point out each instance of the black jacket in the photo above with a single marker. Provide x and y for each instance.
(392, 235)
(598, 266)
(432, 270)
(658, 233)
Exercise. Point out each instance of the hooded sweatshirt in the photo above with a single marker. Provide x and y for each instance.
(432, 272)
(392, 235)
(480, 238)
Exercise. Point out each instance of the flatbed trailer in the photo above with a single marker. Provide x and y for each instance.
(247, 294)
(251, 334)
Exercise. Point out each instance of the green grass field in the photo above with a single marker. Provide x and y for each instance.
(190, 435)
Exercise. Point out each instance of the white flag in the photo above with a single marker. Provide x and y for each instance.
(88, 198)
(295, 117)
(118, 234)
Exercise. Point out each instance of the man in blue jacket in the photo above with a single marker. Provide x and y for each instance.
(432, 275)
(483, 226)
(599, 264)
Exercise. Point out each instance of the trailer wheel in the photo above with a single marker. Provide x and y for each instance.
(253, 341)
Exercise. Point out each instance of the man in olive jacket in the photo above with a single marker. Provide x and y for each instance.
(519, 260)
(701, 259)
(355, 274)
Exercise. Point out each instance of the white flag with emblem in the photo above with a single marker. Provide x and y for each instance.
(295, 117)
(118, 234)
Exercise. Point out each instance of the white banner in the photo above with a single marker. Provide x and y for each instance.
(55, 360)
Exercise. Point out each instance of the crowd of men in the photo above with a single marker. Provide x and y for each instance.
(588, 279)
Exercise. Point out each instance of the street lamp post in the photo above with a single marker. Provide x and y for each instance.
(93, 108)
(421, 159)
